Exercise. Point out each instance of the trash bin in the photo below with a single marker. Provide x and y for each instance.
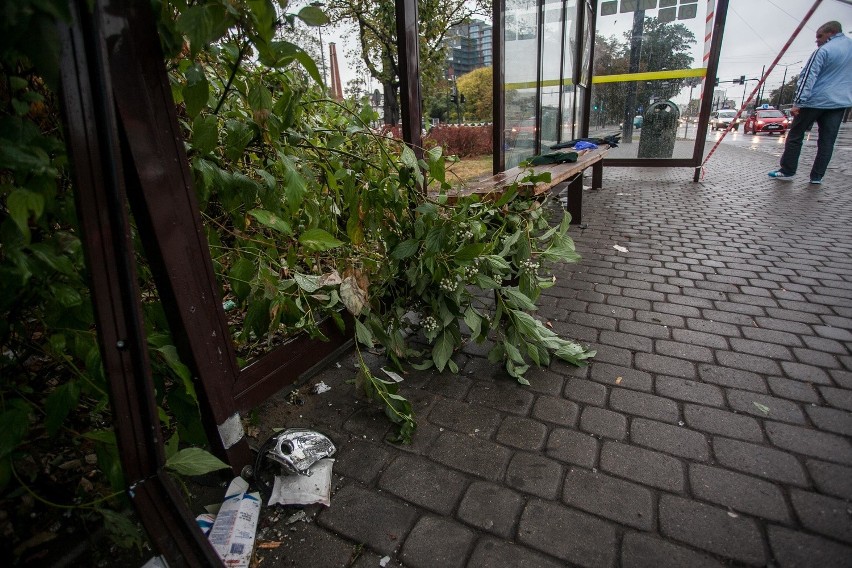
(659, 130)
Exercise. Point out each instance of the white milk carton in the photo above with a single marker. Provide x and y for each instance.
(233, 532)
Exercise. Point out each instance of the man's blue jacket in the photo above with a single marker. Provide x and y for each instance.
(826, 79)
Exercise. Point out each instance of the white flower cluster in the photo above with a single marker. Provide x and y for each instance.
(469, 272)
(530, 265)
(449, 284)
(430, 324)
(467, 235)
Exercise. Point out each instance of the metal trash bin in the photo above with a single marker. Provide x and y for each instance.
(659, 130)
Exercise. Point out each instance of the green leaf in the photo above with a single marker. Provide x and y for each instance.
(313, 16)
(352, 296)
(409, 159)
(122, 531)
(259, 97)
(473, 321)
(363, 334)
(318, 240)
(14, 425)
(761, 407)
(443, 349)
(194, 461)
(310, 66)
(310, 283)
(170, 355)
(237, 136)
(405, 249)
(470, 251)
(240, 277)
(205, 134)
(203, 24)
(264, 14)
(67, 296)
(517, 299)
(59, 404)
(271, 220)
(196, 91)
(19, 204)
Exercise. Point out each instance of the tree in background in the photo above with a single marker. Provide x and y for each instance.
(476, 87)
(664, 46)
(375, 22)
(783, 95)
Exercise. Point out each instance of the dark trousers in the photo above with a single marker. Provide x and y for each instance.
(829, 123)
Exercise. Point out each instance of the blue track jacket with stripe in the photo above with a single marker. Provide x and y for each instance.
(826, 79)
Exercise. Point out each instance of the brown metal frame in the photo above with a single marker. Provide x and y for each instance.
(498, 157)
(408, 56)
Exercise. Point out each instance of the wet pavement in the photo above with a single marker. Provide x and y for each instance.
(712, 428)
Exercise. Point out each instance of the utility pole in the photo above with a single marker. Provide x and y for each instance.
(784, 82)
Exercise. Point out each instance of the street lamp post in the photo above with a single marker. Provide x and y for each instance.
(784, 82)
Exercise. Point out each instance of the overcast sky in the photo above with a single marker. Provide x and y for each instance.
(755, 32)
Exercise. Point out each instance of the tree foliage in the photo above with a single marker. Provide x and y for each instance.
(375, 22)
(476, 87)
(664, 46)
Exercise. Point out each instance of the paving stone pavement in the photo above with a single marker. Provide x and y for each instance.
(713, 428)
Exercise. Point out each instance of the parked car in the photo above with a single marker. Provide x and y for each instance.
(637, 121)
(766, 119)
(721, 119)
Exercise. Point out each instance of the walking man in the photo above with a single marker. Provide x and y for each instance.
(823, 93)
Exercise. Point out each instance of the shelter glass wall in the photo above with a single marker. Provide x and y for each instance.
(649, 52)
(542, 48)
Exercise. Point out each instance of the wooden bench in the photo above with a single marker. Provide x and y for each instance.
(493, 187)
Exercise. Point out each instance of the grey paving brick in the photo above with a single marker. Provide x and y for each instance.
(842, 378)
(472, 455)
(652, 330)
(712, 529)
(781, 325)
(816, 358)
(585, 391)
(491, 507)
(839, 333)
(793, 390)
(748, 362)
(792, 315)
(825, 344)
(613, 355)
(710, 326)
(504, 395)
(450, 386)
(810, 442)
(683, 350)
(840, 398)
(390, 520)
(640, 550)
(465, 417)
(831, 419)
(627, 302)
(556, 410)
(641, 404)
(604, 423)
(567, 534)
(761, 349)
(762, 461)
(622, 376)
(670, 439)
(735, 378)
(490, 552)
(570, 446)
(643, 466)
(831, 479)
(795, 549)
(330, 550)
(424, 483)
(757, 404)
(700, 338)
(825, 515)
(690, 391)
(722, 422)
(437, 541)
(545, 381)
(664, 365)
(523, 433)
(609, 497)
(741, 493)
(805, 373)
(360, 460)
(535, 474)
(627, 341)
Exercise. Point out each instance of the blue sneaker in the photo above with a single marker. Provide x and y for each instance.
(778, 174)
(815, 181)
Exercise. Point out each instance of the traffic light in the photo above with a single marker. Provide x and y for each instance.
(742, 79)
(454, 99)
(461, 99)
(717, 82)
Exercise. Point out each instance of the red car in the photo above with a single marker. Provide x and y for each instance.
(769, 120)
